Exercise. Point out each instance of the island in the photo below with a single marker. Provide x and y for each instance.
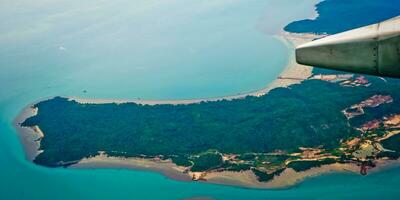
(310, 122)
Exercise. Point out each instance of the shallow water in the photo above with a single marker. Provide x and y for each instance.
(149, 49)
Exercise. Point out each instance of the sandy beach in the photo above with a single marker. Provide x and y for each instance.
(245, 179)
(293, 73)
(288, 178)
(167, 168)
(29, 136)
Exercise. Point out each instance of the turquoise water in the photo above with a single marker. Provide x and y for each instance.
(150, 49)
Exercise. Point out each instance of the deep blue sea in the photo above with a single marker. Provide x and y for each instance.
(152, 49)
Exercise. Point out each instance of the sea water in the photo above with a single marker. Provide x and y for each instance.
(164, 49)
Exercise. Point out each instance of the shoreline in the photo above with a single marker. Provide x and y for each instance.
(30, 138)
(246, 179)
(164, 167)
(292, 73)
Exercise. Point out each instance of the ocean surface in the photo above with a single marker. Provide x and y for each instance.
(148, 49)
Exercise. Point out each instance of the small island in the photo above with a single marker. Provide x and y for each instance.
(327, 121)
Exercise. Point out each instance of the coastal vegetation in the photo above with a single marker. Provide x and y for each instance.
(304, 165)
(392, 143)
(264, 176)
(261, 134)
(207, 161)
(254, 124)
(331, 117)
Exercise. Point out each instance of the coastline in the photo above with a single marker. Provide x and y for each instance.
(29, 136)
(102, 161)
(293, 73)
(244, 179)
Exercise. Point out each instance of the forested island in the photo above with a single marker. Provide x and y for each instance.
(298, 127)
(331, 117)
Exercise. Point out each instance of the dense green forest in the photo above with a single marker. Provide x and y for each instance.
(392, 143)
(305, 165)
(341, 15)
(304, 115)
(206, 162)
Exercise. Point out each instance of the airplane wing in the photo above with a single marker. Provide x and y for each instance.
(373, 49)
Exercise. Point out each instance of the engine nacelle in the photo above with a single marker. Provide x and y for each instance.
(373, 49)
